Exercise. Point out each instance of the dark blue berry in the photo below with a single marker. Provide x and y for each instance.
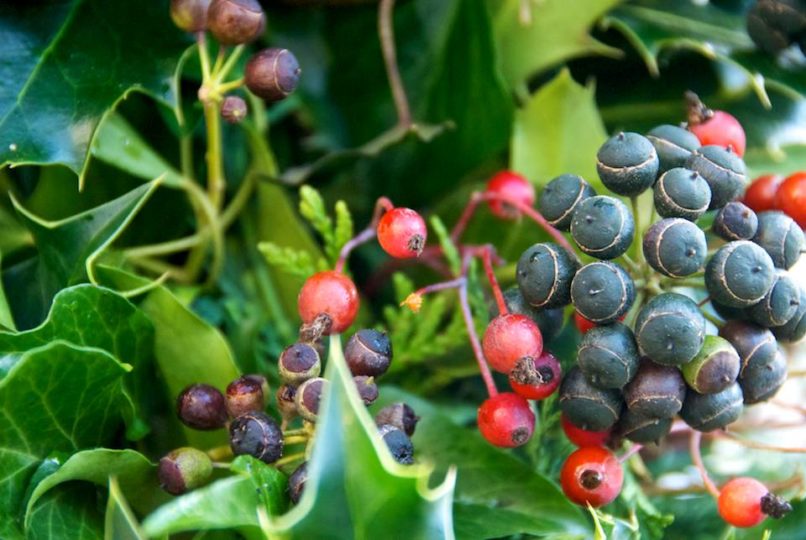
(642, 429)
(708, 412)
(779, 304)
(780, 237)
(560, 197)
(760, 382)
(795, 328)
(399, 444)
(675, 247)
(603, 227)
(735, 221)
(673, 144)
(607, 355)
(602, 292)
(627, 163)
(755, 345)
(723, 170)
(550, 321)
(656, 391)
(258, 435)
(670, 329)
(368, 352)
(586, 406)
(544, 275)
(739, 274)
(681, 193)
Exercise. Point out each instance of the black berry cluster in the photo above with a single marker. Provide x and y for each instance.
(775, 25)
(649, 355)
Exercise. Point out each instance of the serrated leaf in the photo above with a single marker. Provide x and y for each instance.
(497, 495)
(84, 57)
(558, 131)
(292, 261)
(187, 349)
(57, 398)
(343, 232)
(449, 249)
(67, 250)
(354, 488)
(120, 523)
(312, 208)
(552, 34)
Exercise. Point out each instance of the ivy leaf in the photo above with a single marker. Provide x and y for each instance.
(67, 251)
(56, 398)
(497, 495)
(351, 471)
(120, 523)
(561, 119)
(187, 349)
(83, 59)
(552, 34)
(234, 502)
(68, 512)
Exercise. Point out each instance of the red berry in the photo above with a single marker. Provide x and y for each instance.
(591, 475)
(760, 195)
(582, 437)
(506, 420)
(329, 293)
(536, 378)
(513, 187)
(583, 324)
(402, 233)
(740, 502)
(791, 197)
(509, 338)
(722, 129)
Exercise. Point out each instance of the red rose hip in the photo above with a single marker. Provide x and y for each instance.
(512, 187)
(506, 420)
(330, 294)
(760, 195)
(791, 197)
(536, 378)
(739, 502)
(592, 475)
(509, 338)
(582, 437)
(721, 129)
(402, 233)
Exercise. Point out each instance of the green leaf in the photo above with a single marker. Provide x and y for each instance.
(6, 318)
(83, 60)
(553, 33)
(56, 398)
(354, 487)
(67, 251)
(235, 502)
(447, 245)
(558, 131)
(790, 527)
(68, 512)
(132, 470)
(119, 145)
(187, 350)
(497, 495)
(343, 231)
(120, 523)
(291, 261)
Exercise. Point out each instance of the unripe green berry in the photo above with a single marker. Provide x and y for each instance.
(795, 328)
(739, 274)
(675, 247)
(602, 292)
(184, 469)
(258, 435)
(723, 170)
(190, 15)
(735, 221)
(272, 74)
(586, 406)
(642, 429)
(308, 396)
(245, 394)
(670, 329)
(780, 237)
(368, 352)
(761, 382)
(234, 22)
(714, 368)
(627, 163)
(299, 362)
(674, 146)
(607, 355)
(780, 303)
(656, 391)
(544, 275)
(756, 346)
(561, 196)
(708, 412)
(681, 193)
(603, 227)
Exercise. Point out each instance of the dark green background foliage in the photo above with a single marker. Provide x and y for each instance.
(97, 95)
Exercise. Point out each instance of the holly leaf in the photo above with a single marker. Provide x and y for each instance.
(561, 119)
(354, 486)
(56, 398)
(533, 36)
(497, 495)
(67, 251)
(716, 31)
(78, 60)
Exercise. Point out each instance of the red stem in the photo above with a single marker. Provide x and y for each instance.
(492, 391)
(486, 259)
(634, 449)
(696, 457)
(382, 205)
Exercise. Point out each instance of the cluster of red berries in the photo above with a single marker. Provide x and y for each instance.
(777, 192)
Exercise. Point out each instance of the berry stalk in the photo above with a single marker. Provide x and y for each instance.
(381, 205)
(696, 457)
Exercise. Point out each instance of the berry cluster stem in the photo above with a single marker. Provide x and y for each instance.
(696, 457)
(467, 314)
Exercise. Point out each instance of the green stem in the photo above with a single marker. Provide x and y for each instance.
(713, 318)
(230, 63)
(291, 458)
(216, 184)
(232, 85)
